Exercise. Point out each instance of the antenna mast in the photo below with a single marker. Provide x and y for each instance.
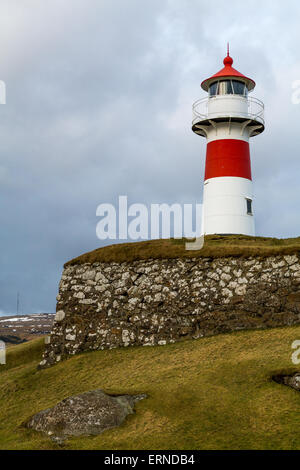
(18, 302)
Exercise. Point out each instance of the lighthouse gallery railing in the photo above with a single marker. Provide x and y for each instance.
(255, 109)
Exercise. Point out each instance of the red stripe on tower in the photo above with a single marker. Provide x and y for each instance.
(228, 157)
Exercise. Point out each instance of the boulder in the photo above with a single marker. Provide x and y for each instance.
(290, 380)
(89, 413)
(293, 381)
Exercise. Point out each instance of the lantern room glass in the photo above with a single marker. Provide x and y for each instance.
(228, 87)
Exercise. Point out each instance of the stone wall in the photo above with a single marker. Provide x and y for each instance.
(155, 302)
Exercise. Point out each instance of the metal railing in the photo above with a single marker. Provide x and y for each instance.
(255, 109)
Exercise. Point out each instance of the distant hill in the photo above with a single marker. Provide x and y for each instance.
(19, 328)
(12, 339)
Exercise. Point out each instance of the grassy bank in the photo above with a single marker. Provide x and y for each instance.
(214, 247)
(212, 393)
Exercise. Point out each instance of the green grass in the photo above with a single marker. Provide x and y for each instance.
(215, 246)
(212, 393)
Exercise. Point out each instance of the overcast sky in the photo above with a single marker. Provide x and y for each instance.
(99, 98)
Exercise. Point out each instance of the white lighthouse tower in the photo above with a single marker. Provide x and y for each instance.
(227, 118)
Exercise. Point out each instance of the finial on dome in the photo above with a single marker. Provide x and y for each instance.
(228, 60)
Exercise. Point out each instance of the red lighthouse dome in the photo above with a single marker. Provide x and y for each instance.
(228, 72)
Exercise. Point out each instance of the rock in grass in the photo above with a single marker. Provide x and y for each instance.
(89, 413)
(290, 380)
(293, 381)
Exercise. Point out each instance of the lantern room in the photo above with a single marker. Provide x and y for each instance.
(228, 101)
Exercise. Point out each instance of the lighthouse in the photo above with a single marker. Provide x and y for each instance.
(227, 118)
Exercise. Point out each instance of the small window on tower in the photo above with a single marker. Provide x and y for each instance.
(249, 206)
